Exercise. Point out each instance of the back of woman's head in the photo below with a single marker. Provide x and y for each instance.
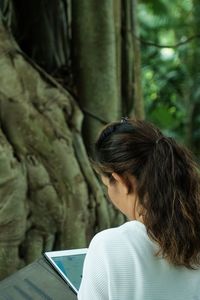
(168, 185)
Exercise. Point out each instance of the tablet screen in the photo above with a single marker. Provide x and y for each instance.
(69, 264)
(72, 267)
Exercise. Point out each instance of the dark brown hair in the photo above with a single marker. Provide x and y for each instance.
(168, 185)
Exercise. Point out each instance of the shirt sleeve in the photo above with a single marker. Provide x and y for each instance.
(94, 284)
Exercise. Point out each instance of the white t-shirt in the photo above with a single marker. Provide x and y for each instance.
(121, 265)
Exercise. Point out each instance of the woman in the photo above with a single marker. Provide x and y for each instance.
(155, 183)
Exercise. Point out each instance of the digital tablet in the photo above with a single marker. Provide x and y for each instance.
(69, 264)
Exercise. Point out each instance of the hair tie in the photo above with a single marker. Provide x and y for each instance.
(124, 120)
(159, 139)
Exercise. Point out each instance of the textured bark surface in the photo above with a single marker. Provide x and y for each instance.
(46, 36)
(127, 70)
(95, 58)
(138, 108)
(96, 38)
(49, 194)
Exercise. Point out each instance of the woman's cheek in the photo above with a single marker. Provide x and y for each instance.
(113, 197)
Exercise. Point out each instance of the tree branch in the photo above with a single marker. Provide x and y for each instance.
(149, 43)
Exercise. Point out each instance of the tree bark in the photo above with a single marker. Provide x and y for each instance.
(138, 110)
(94, 50)
(117, 6)
(44, 37)
(127, 58)
(43, 160)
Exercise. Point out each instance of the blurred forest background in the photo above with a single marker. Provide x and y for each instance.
(67, 67)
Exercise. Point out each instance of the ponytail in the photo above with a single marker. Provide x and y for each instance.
(172, 202)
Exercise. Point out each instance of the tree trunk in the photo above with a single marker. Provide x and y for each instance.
(43, 160)
(95, 38)
(138, 110)
(127, 58)
(95, 59)
(131, 62)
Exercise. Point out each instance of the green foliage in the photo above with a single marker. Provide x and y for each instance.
(170, 71)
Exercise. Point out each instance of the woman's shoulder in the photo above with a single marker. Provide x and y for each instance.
(129, 231)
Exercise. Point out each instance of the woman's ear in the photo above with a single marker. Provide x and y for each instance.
(129, 182)
(117, 177)
(123, 183)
